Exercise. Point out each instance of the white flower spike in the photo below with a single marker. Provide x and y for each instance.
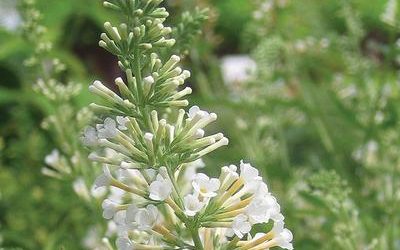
(156, 149)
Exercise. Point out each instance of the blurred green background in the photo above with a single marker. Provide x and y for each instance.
(319, 116)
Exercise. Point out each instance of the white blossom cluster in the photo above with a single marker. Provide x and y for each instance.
(163, 202)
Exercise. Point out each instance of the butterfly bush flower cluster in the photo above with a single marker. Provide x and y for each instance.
(151, 148)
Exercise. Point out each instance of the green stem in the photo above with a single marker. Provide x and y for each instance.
(176, 188)
(138, 74)
(196, 238)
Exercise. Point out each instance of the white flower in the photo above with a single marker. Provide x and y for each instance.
(98, 192)
(205, 186)
(108, 129)
(104, 179)
(109, 209)
(285, 239)
(131, 177)
(122, 122)
(192, 204)
(92, 239)
(262, 209)
(147, 218)
(116, 194)
(262, 190)
(89, 137)
(282, 236)
(124, 243)
(160, 189)
(53, 158)
(142, 218)
(248, 173)
(240, 226)
(120, 219)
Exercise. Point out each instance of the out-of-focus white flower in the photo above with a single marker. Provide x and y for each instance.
(104, 179)
(390, 13)
(367, 153)
(160, 189)
(205, 186)
(75, 158)
(142, 218)
(108, 129)
(237, 68)
(116, 194)
(192, 204)
(240, 226)
(89, 137)
(109, 208)
(98, 192)
(92, 240)
(53, 159)
(9, 16)
(81, 188)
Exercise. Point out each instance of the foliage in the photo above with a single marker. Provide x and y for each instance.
(326, 94)
(318, 116)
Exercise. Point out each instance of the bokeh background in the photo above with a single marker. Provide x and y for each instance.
(308, 91)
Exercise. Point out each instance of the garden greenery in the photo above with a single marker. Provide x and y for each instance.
(337, 90)
(68, 160)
